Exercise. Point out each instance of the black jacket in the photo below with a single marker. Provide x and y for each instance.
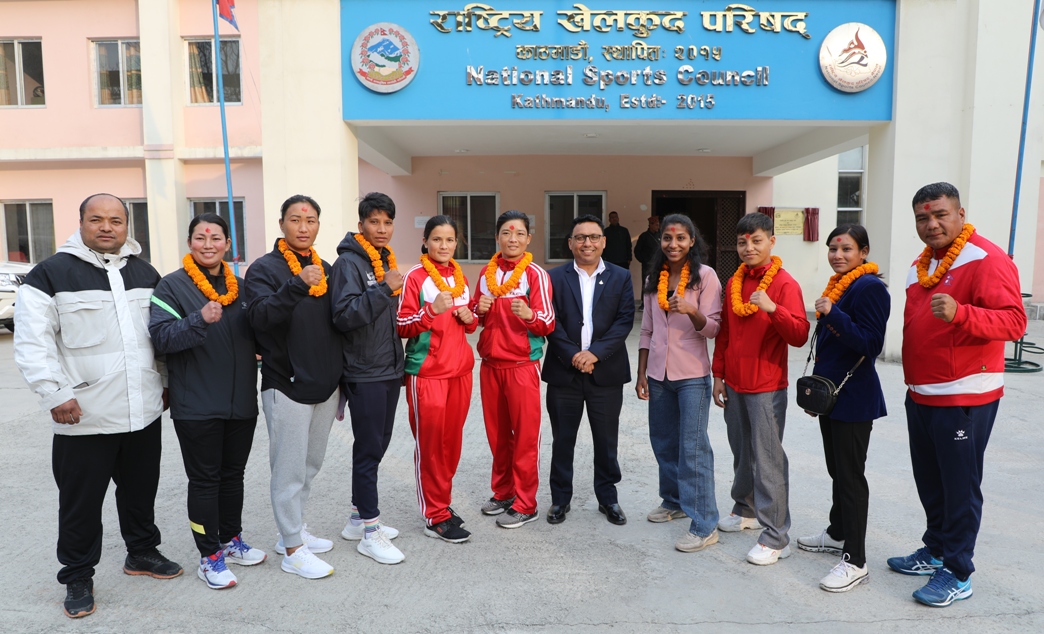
(365, 311)
(211, 368)
(613, 315)
(300, 349)
(617, 245)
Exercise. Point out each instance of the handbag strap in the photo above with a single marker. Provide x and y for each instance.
(812, 356)
(849, 375)
(811, 351)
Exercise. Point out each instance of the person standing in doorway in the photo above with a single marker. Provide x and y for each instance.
(648, 246)
(617, 243)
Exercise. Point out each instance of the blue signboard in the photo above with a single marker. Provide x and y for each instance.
(600, 60)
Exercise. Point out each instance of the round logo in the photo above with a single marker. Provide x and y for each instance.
(385, 57)
(853, 57)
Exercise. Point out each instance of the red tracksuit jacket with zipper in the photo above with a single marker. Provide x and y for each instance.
(436, 346)
(506, 340)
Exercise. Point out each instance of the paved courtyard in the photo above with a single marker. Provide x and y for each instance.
(584, 575)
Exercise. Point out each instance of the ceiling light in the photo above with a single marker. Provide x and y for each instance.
(703, 150)
(590, 135)
(461, 151)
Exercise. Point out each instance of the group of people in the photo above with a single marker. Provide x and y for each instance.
(331, 336)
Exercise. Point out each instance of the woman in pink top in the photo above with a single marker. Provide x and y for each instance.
(674, 376)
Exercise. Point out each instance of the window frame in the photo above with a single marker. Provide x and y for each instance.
(467, 230)
(28, 202)
(547, 214)
(242, 246)
(213, 70)
(121, 44)
(20, 74)
(862, 188)
(130, 223)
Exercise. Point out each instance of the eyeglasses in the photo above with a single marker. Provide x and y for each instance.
(593, 238)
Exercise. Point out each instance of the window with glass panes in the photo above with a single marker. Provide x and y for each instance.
(21, 73)
(476, 215)
(220, 207)
(28, 231)
(119, 72)
(851, 174)
(562, 207)
(202, 76)
(139, 227)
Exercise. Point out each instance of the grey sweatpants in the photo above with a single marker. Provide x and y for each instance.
(761, 487)
(297, 437)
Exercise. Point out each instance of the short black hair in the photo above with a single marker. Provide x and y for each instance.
(374, 202)
(212, 218)
(298, 198)
(438, 221)
(579, 220)
(512, 215)
(752, 222)
(83, 205)
(935, 191)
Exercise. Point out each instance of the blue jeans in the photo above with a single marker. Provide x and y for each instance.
(682, 449)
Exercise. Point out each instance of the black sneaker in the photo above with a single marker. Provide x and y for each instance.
(456, 519)
(79, 598)
(447, 531)
(496, 507)
(153, 564)
(514, 519)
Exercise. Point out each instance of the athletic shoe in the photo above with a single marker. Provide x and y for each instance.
(152, 564)
(353, 532)
(844, 576)
(305, 564)
(921, 562)
(514, 519)
(661, 515)
(691, 543)
(762, 555)
(239, 552)
(735, 523)
(943, 589)
(379, 548)
(821, 543)
(448, 531)
(496, 507)
(79, 598)
(215, 573)
(315, 544)
(456, 519)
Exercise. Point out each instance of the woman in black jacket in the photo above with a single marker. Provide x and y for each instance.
(199, 321)
(852, 312)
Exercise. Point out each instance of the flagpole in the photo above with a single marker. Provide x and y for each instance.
(1038, 22)
(224, 138)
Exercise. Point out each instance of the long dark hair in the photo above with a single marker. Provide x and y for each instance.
(438, 221)
(857, 233)
(696, 253)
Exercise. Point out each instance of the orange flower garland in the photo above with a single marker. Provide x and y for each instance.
(947, 261)
(500, 290)
(204, 285)
(746, 309)
(839, 283)
(459, 285)
(661, 288)
(295, 267)
(375, 259)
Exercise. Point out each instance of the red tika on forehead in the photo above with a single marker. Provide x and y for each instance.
(927, 207)
(839, 239)
(746, 235)
(207, 229)
(511, 227)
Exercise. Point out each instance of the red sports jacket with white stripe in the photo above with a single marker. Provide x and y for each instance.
(506, 340)
(437, 347)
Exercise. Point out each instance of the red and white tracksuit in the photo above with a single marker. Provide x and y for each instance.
(439, 364)
(510, 349)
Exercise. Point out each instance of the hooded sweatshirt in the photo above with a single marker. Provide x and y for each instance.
(82, 333)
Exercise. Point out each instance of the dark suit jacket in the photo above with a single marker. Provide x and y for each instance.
(613, 315)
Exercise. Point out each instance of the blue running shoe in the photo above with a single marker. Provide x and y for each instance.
(239, 552)
(920, 563)
(215, 573)
(943, 589)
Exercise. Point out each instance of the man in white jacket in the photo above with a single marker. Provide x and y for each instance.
(82, 344)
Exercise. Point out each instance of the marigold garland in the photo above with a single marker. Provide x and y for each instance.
(317, 290)
(945, 263)
(661, 288)
(510, 284)
(840, 282)
(746, 309)
(459, 284)
(375, 260)
(204, 285)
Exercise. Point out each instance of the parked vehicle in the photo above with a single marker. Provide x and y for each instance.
(12, 274)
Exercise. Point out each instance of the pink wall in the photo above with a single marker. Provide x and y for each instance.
(1038, 264)
(207, 180)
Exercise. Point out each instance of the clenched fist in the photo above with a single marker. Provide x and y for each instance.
(485, 302)
(211, 312)
(944, 307)
(465, 315)
(393, 279)
(311, 274)
(521, 310)
(762, 301)
(443, 302)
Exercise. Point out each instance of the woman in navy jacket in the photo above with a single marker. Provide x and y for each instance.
(852, 312)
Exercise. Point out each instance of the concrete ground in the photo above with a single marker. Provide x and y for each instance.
(584, 575)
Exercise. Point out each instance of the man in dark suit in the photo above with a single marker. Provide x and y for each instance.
(587, 365)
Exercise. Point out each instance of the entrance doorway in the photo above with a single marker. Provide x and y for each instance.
(715, 214)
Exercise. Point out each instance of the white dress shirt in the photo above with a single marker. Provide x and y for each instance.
(587, 288)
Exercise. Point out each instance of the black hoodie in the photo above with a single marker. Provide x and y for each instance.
(365, 311)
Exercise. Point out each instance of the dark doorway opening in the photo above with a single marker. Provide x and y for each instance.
(715, 214)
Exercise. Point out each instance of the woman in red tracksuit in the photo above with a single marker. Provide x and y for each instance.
(434, 315)
(513, 304)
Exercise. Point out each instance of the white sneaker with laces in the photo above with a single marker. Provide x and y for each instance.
(354, 533)
(762, 555)
(304, 563)
(315, 544)
(239, 552)
(379, 548)
(215, 573)
(844, 576)
(733, 523)
(821, 543)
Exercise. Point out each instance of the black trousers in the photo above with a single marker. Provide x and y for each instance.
(565, 407)
(845, 445)
(82, 467)
(372, 407)
(215, 453)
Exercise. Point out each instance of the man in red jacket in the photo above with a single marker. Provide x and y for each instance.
(963, 302)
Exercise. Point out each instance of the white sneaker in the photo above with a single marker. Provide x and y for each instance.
(762, 555)
(736, 523)
(377, 547)
(305, 564)
(354, 533)
(315, 544)
(844, 576)
(821, 543)
(215, 573)
(239, 552)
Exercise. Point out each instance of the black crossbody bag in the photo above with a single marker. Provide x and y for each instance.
(818, 394)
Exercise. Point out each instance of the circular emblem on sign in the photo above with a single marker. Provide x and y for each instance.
(853, 57)
(385, 57)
